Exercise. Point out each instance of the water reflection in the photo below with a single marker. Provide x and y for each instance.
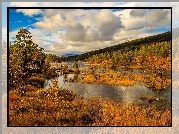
(128, 95)
(65, 78)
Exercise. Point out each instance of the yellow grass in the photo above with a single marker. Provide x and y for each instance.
(62, 107)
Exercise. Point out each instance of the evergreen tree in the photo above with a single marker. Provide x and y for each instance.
(25, 59)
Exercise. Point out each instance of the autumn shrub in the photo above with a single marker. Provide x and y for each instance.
(142, 96)
(14, 96)
(109, 77)
(151, 98)
(57, 106)
(157, 82)
(154, 55)
(154, 80)
(50, 74)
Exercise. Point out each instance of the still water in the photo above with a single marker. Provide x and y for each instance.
(127, 95)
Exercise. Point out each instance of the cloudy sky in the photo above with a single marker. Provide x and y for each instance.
(62, 31)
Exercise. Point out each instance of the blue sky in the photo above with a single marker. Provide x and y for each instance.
(85, 30)
(18, 20)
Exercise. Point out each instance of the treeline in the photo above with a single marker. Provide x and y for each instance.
(52, 58)
(130, 45)
(156, 55)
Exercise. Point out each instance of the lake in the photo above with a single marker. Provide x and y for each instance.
(127, 95)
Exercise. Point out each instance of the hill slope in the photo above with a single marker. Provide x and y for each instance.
(130, 45)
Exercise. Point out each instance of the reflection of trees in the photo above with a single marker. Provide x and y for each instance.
(76, 76)
(45, 83)
(76, 68)
(65, 69)
(65, 78)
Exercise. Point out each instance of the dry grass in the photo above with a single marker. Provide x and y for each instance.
(109, 77)
(151, 98)
(157, 82)
(113, 78)
(61, 107)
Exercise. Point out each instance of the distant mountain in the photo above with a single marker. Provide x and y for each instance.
(70, 54)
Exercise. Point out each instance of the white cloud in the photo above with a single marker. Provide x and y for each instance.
(70, 4)
(76, 33)
(86, 30)
(108, 24)
(138, 12)
(124, 13)
(143, 4)
(99, 4)
(157, 16)
(134, 23)
(29, 12)
(108, 4)
(38, 37)
(55, 22)
(129, 35)
(175, 11)
(73, 47)
(55, 4)
(128, 4)
(43, 40)
(174, 6)
(4, 34)
(25, 4)
(63, 4)
(104, 23)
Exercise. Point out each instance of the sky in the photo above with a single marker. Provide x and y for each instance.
(76, 31)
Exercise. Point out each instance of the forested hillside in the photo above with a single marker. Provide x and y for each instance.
(130, 45)
(156, 55)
